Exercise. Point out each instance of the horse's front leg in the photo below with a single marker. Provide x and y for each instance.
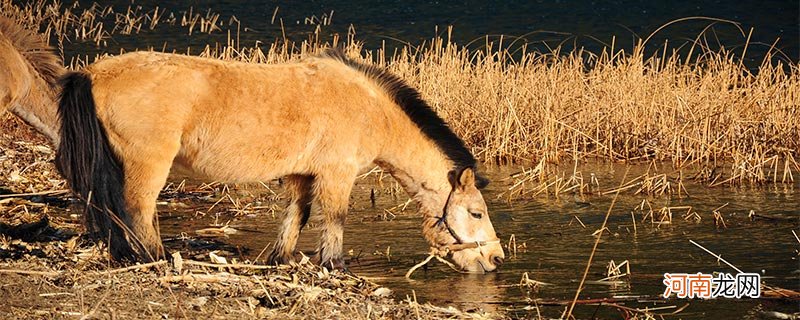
(296, 217)
(333, 194)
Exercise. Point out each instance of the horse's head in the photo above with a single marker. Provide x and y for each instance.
(464, 228)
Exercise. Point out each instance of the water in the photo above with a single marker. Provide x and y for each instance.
(558, 247)
(540, 24)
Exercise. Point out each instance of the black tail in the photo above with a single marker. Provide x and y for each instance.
(93, 171)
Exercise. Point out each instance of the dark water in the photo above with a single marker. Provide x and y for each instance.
(539, 24)
(558, 247)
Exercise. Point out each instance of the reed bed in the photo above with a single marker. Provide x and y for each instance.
(547, 108)
(706, 114)
(98, 23)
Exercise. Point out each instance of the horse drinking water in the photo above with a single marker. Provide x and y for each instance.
(124, 122)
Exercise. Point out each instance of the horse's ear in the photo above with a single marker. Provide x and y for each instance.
(452, 177)
(461, 179)
(466, 178)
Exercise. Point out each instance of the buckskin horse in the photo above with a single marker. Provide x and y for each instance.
(121, 124)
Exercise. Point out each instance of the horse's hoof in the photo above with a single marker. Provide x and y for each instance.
(346, 271)
(337, 264)
(153, 253)
(277, 259)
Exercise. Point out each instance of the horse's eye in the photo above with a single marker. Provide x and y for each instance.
(476, 215)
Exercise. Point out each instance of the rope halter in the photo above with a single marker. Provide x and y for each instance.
(459, 245)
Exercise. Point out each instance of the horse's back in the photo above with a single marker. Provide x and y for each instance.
(238, 121)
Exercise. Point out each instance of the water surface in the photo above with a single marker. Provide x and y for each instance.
(557, 246)
(541, 25)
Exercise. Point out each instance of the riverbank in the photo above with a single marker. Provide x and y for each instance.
(56, 274)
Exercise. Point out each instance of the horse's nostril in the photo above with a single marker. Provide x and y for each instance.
(497, 260)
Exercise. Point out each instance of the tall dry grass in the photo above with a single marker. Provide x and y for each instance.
(708, 114)
(100, 22)
(705, 112)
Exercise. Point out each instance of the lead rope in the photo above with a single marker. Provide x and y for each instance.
(434, 253)
(441, 252)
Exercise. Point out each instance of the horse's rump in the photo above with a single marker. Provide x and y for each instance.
(91, 168)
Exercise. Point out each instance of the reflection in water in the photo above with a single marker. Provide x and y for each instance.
(475, 292)
(558, 247)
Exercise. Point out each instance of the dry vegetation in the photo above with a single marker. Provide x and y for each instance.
(707, 116)
(706, 112)
(711, 115)
(62, 275)
(98, 23)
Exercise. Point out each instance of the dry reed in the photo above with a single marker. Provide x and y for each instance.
(705, 112)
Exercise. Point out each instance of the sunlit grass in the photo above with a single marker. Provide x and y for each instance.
(705, 112)
(709, 113)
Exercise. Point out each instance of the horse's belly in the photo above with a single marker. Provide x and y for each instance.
(238, 167)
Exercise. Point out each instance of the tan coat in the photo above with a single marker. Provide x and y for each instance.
(316, 123)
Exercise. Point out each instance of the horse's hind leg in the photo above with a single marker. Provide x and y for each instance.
(144, 178)
(333, 194)
(295, 218)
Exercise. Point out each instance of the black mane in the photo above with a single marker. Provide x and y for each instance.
(415, 108)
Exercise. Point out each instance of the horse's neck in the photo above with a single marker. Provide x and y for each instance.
(420, 168)
(39, 109)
